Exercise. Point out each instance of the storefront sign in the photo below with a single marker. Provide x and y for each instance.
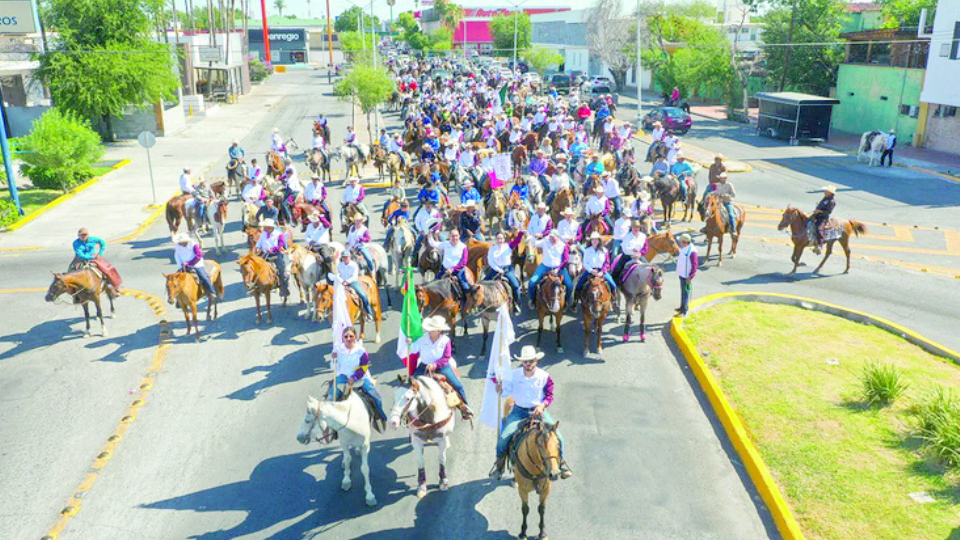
(17, 17)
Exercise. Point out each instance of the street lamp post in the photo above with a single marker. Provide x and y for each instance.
(516, 17)
(639, 74)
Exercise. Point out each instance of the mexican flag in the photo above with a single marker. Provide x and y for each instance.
(410, 322)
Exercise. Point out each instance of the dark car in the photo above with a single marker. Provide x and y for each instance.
(561, 82)
(672, 118)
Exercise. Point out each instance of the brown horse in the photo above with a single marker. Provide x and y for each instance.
(531, 141)
(667, 189)
(84, 286)
(389, 209)
(495, 211)
(184, 290)
(274, 164)
(661, 243)
(259, 277)
(562, 200)
(519, 158)
(176, 212)
(486, 299)
(324, 301)
(715, 215)
(477, 256)
(536, 460)
(797, 221)
(429, 261)
(439, 298)
(596, 224)
(551, 301)
(596, 300)
(379, 157)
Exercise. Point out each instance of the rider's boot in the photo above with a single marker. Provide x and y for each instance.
(497, 471)
(565, 471)
(466, 412)
(112, 291)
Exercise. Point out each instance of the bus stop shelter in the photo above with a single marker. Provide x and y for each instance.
(795, 117)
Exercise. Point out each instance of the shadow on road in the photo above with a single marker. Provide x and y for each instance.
(301, 364)
(43, 334)
(143, 338)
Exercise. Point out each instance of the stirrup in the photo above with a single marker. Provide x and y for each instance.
(497, 471)
(565, 471)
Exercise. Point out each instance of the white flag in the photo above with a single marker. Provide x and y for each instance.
(498, 366)
(341, 315)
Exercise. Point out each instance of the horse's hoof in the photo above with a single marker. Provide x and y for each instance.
(86, 334)
(522, 537)
(560, 350)
(626, 337)
(444, 485)
(371, 501)
(421, 491)
(346, 485)
(104, 333)
(643, 337)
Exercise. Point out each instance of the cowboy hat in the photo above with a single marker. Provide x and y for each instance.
(528, 353)
(568, 211)
(181, 238)
(267, 223)
(684, 238)
(541, 204)
(645, 196)
(314, 218)
(358, 217)
(470, 204)
(435, 323)
(830, 189)
(595, 236)
(353, 180)
(597, 188)
(719, 157)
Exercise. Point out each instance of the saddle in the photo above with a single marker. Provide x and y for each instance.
(378, 422)
(451, 395)
(628, 268)
(830, 230)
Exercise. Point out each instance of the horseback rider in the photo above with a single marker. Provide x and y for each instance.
(568, 228)
(319, 142)
(349, 272)
(395, 146)
(620, 229)
(538, 168)
(822, 212)
(276, 143)
(540, 223)
(642, 205)
(596, 262)
(560, 180)
(726, 194)
(500, 263)
(189, 258)
(353, 369)
(187, 187)
(469, 193)
(470, 225)
(428, 193)
(318, 231)
(357, 238)
(660, 167)
(426, 218)
(682, 170)
(632, 247)
(555, 256)
(384, 140)
(716, 168)
(427, 155)
(253, 193)
(351, 140)
(393, 219)
(468, 158)
(453, 259)
(292, 189)
(522, 193)
(353, 194)
(657, 135)
(271, 246)
(89, 250)
(597, 206)
(532, 391)
(235, 152)
(593, 169)
(269, 211)
(431, 354)
(320, 122)
(255, 174)
(316, 193)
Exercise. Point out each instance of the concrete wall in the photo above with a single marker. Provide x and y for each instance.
(942, 133)
(942, 84)
(21, 118)
(871, 98)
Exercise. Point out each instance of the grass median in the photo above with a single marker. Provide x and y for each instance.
(846, 468)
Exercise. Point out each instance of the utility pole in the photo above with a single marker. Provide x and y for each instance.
(789, 51)
(329, 38)
(376, 53)
(639, 75)
(266, 32)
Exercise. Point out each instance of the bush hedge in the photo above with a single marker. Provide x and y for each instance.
(60, 151)
(8, 213)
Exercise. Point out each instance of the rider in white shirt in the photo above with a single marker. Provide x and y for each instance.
(276, 142)
(500, 261)
(568, 228)
(318, 231)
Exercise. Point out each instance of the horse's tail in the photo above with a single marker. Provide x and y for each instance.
(857, 226)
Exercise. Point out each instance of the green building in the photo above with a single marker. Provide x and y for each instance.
(862, 16)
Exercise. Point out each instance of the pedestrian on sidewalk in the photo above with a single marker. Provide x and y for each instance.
(888, 150)
(687, 263)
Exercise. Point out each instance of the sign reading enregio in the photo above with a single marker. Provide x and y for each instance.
(16, 17)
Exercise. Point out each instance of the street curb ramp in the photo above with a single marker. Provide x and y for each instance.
(763, 481)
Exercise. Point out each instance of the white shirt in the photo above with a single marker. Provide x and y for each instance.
(552, 253)
(891, 139)
(424, 217)
(355, 236)
(468, 158)
(611, 188)
(642, 207)
(633, 244)
(527, 392)
(293, 183)
(595, 205)
(683, 262)
(658, 133)
(184, 254)
(559, 181)
(348, 360)
(452, 254)
(538, 223)
(394, 146)
(256, 173)
(608, 126)
(430, 351)
(348, 272)
(276, 142)
(268, 241)
(314, 190)
(594, 259)
(186, 185)
(316, 233)
(499, 257)
(350, 193)
(252, 193)
(621, 227)
(450, 153)
(568, 229)
(515, 136)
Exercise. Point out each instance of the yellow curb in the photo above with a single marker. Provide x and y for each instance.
(763, 481)
(28, 248)
(61, 199)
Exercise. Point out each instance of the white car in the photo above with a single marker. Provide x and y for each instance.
(532, 77)
(601, 81)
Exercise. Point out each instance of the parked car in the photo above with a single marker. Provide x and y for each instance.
(606, 81)
(672, 118)
(593, 91)
(532, 77)
(561, 82)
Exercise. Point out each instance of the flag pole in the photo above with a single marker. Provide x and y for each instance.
(499, 375)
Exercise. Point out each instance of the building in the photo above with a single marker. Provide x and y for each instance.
(287, 45)
(939, 125)
(862, 16)
(473, 31)
(730, 14)
(879, 82)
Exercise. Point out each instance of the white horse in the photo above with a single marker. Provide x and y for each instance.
(423, 408)
(350, 420)
(401, 249)
(872, 144)
(351, 159)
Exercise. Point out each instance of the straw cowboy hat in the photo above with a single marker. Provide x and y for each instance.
(267, 223)
(528, 353)
(470, 204)
(435, 323)
(314, 217)
(568, 211)
(181, 238)
(358, 217)
(830, 189)
(595, 236)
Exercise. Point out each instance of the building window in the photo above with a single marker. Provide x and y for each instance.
(910, 110)
(945, 111)
(956, 41)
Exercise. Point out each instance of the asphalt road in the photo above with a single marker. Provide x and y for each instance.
(212, 453)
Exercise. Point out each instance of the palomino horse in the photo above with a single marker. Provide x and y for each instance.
(715, 215)
(536, 460)
(667, 189)
(797, 221)
(395, 169)
(486, 299)
(562, 200)
(184, 290)
(551, 301)
(350, 419)
(259, 277)
(306, 271)
(324, 304)
(495, 211)
(422, 407)
(83, 286)
(388, 209)
(637, 285)
(274, 163)
(596, 300)
(661, 243)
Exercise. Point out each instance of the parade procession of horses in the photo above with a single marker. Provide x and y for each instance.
(505, 202)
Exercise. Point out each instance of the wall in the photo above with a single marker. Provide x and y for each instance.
(942, 133)
(943, 72)
(21, 118)
(865, 110)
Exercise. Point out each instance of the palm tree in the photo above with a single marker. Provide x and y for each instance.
(280, 5)
(450, 14)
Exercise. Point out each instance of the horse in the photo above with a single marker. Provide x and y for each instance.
(596, 300)
(536, 457)
(715, 216)
(378, 154)
(395, 168)
(657, 149)
(323, 294)
(428, 261)
(667, 189)
(351, 159)
(236, 174)
(637, 285)
(562, 200)
(381, 263)
(477, 256)
(495, 209)
(274, 161)
(872, 144)
(797, 221)
(401, 248)
(551, 301)
(306, 271)
(486, 298)
(215, 219)
(84, 286)
(661, 243)
(259, 277)
(596, 224)
(319, 163)
(422, 406)
(184, 290)
(347, 214)
(350, 419)
(439, 298)
(518, 158)
(175, 212)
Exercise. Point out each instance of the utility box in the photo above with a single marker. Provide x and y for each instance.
(287, 45)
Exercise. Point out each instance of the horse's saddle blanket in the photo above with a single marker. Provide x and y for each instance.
(451, 395)
(832, 229)
(723, 212)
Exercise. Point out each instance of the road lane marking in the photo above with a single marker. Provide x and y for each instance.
(24, 290)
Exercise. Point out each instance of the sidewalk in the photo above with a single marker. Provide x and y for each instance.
(921, 159)
(118, 204)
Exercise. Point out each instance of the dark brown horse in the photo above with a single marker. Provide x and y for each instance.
(551, 301)
(596, 300)
(84, 286)
(439, 298)
(715, 215)
(259, 278)
(176, 212)
(667, 189)
(486, 299)
(184, 290)
(429, 261)
(519, 158)
(797, 221)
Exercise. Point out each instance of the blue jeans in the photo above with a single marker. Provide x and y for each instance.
(731, 217)
(355, 285)
(279, 260)
(538, 275)
(511, 279)
(583, 280)
(204, 278)
(447, 372)
(461, 276)
(366, 387)
(615, 248)
(684, 295)
(617, 206)
(512, 422)
(365, 253)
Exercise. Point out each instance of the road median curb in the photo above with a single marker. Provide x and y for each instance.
(759, 473)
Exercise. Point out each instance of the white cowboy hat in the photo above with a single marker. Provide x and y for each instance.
(568, 211)
(181, 238)
(435, 324)
(719, 157)
(830, 189)
(595, 235)
(541, 204)
(276, 130)
(353, 180)
(561, 156)
(684, 238)
(358, 217)
(314, 218)
(186, 169)
(527, 353)
(627, 211)
(645, 196)
(681, 156)
(268, 223)
(470, 204)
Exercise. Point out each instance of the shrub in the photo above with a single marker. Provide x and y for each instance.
(258, 71)
(59, 151)
(8, 213)
(938, 421)
(882, 383)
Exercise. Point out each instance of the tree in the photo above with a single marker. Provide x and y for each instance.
(740, 67)
(441, 39)
(105, 60)
(899, 13)
(349, 20)
(407, 23)
(806, 68)
(60, 151)
(367, 87)
(540, 59)
(688, 54)
(450, 14)
(354, 41)
(611, 37)
(501, 28)
(280, 5)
